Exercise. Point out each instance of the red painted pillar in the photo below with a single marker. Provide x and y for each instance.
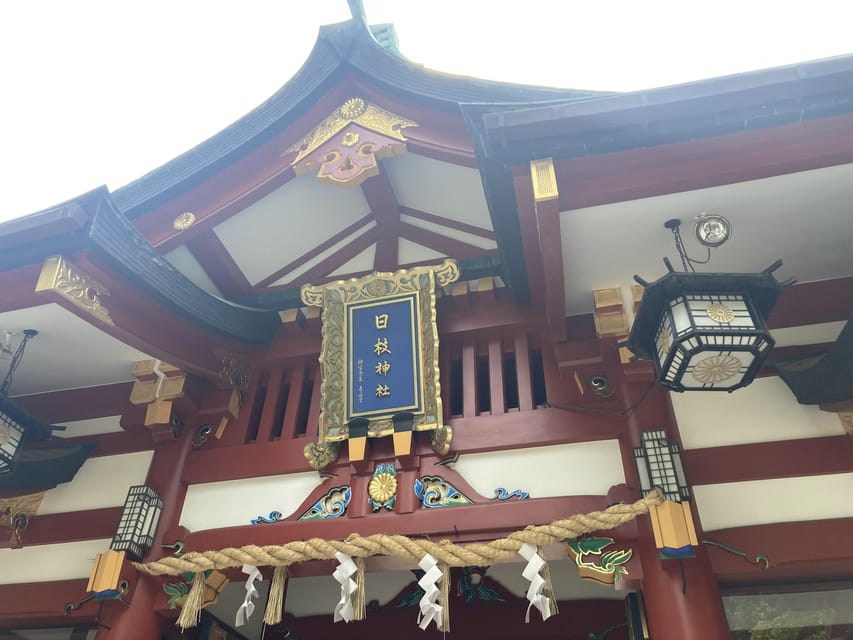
(678, 605)
(140, 621)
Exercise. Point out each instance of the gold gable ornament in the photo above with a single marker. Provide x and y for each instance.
(345, 149)
(379, 361)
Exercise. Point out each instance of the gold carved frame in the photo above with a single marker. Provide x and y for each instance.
(333, 299)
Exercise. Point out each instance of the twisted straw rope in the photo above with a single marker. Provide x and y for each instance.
(454, 555)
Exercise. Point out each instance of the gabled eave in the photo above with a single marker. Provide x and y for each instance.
(347, 48)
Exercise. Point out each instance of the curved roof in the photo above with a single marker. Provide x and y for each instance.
(347, 47)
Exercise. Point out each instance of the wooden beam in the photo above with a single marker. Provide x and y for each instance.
(790, 559)
(457, 225)
(43, 604)
(469, 380)
(487, 519)
(72, 526)
(478, 434)
(79, 404)
(442, 244)
(385, 209)
(765, 460)
(217, 262)
(496, 377)
(316, 251)
(642, 173)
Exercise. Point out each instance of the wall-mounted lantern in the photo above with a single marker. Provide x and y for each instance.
(139, 518)
(659, 466)
(705, 331)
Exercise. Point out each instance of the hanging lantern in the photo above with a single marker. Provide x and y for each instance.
(139, 518)
(706, 331)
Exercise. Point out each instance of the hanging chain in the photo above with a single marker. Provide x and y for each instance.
(16, 360)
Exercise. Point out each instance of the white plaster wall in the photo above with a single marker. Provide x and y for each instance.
(91, 427)
(808, 334)
(212, 505)
(48, 562)
(741, 504)
(764, 411)
(100, 482)
(584, 468)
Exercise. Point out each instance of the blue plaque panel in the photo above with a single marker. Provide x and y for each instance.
(383, 357)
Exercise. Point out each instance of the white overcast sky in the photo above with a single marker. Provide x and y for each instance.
(100, 92)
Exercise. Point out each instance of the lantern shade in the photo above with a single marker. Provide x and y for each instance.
(659, 465)
(16, 427)
(11, 437)
(139, 519)
(706, 331)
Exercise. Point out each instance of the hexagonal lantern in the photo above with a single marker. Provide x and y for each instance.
(706, 331)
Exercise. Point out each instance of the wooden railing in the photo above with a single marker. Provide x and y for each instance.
(481, 374)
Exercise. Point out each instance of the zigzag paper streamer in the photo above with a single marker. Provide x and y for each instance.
(343, 574)
(537, 599)
(430, 609)
(248, 607)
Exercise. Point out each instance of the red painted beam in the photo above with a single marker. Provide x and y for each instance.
(19, 288)
(43, 604)
(73, 526)
(764, 460)
(541, 427)
(385, 209)
(813, 303)
(214, 258)
(797, 551)
(629, 175)
(310, 255)
(485, 520)
(448, 222)
(79, 404)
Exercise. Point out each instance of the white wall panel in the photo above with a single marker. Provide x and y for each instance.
(100, 482)
(48, 562)
(584, 468)
(764, 411)
(91, 427)
(741, 504)
(212, 505)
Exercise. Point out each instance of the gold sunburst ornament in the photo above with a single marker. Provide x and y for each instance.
(183, 221)
(718, 368)
(352, 108)
(720, 313)
(382, 490)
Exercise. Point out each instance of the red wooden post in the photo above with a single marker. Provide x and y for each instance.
(294, 398)
(265, 426)
(678, 605)
(313, 426)
(522, 367)
(164, 475)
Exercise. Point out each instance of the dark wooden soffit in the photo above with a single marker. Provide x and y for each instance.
(92, 222)
(347, 48)
(598, 129)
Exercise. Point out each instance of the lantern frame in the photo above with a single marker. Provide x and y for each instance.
(17, 427)
(138, 523)
(659, 465)
(684, 315)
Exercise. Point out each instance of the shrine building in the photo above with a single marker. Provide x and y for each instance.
(407, 354)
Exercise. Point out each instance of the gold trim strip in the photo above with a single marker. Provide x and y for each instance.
(61, 277)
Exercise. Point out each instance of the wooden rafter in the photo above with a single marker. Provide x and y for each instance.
(385, 209)
(448, 222)
(214, 258)
(316, 251)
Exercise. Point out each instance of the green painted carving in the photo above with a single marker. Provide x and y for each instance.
(609, 567)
